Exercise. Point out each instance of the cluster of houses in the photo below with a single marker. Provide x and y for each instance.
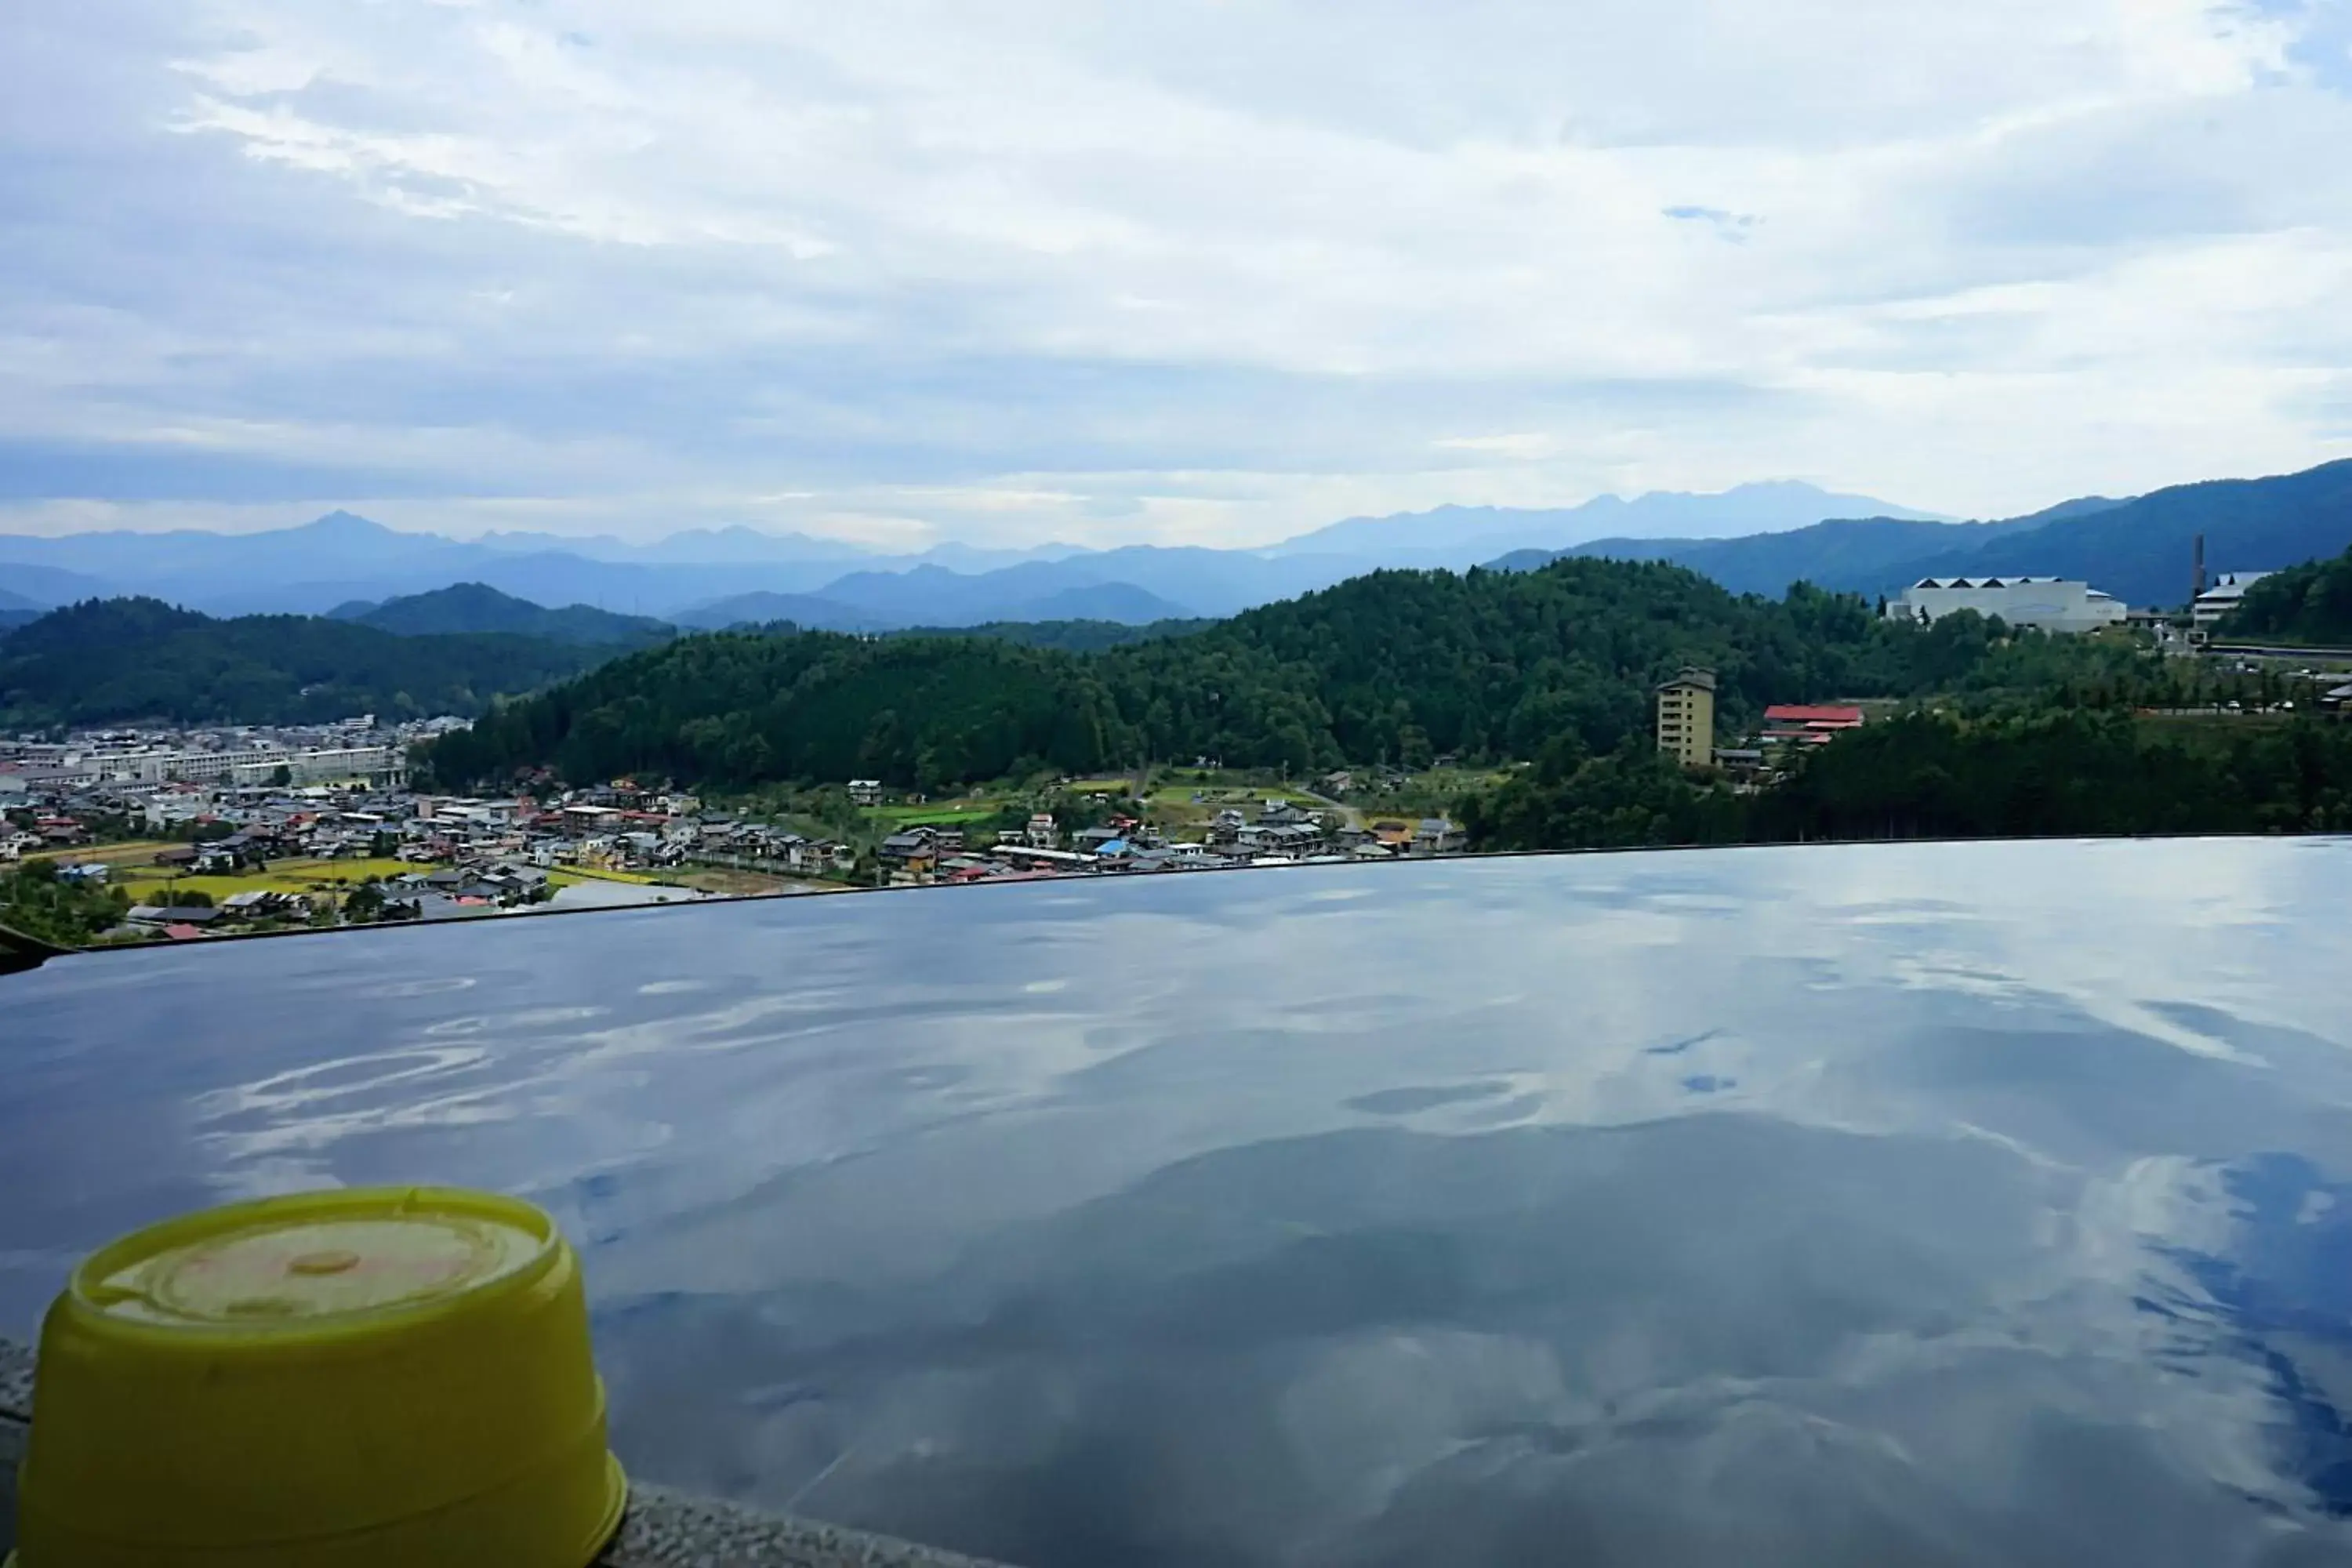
(229, 829)
(182, 922)
(1282, 834)
(468, 856)
(358, 747)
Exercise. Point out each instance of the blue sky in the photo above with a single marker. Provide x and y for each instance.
(1207, 271)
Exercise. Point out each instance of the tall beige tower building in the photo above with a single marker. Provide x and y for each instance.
(1686, 718)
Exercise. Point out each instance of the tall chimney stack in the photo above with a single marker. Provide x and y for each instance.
(2195, 592)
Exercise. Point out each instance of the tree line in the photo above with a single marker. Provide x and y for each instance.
(110, 660)
(2075, 771)
(1395, 666)
(2308, 604)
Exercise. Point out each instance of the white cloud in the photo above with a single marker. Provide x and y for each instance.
(1524, 446)
(1189, 270)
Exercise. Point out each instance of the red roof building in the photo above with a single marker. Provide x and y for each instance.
(1808, 724)
(1813, 718)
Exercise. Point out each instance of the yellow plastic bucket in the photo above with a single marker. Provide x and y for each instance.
(355, 1379)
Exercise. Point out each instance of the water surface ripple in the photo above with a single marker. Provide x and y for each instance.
(1919, 1205)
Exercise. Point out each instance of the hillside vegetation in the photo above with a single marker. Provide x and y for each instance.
(2308, 604)
(2139, 550)
(465, 607)
(119, 659)
(1070, 637)
(2065, 772)
(1397, 665)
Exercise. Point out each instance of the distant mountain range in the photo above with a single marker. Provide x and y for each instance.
(704, 576)
(1756, 537)
(2140, 550)
(1867, 555)
(1462, 535)
(933, 596)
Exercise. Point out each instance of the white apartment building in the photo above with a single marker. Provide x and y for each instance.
(259, 764)
(2050, 604)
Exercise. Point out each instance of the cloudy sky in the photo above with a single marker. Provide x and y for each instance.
(1194, 271)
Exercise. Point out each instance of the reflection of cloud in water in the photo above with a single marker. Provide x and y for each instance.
(2277, 1300)
(426, 986)
(1926, 1211)
(341, 1078)
(1713, 1340)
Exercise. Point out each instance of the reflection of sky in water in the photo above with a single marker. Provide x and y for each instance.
(1903, 1204)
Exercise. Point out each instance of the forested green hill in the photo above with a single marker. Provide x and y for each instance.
(2063, 772)
(469, 607)
(742, 708)
(2308, 604)
(1396, 666)
(119, 659)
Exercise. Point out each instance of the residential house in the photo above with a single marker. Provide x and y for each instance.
(258, 904)
(915, 851)
(1289, 840)
(1042, 833)
(589, 821)
(174, 914)
(1438, 835)
(865, 791)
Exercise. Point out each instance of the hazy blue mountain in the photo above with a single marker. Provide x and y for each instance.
(2141, 552)
(260, 570)
(1857, 555)
(1120, 602)
(1480, 533)
(2139, 549)
(26, 585)
(763, 608)
(735, 545)
(11, 619)
(957, 557)
(478, 607)
(2135, 549)
(339, 559)
(1185, 582)
(336, 544)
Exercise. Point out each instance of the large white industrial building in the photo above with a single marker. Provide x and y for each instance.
(2050, 604)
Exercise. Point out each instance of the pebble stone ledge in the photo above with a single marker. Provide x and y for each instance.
(664, 1529)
